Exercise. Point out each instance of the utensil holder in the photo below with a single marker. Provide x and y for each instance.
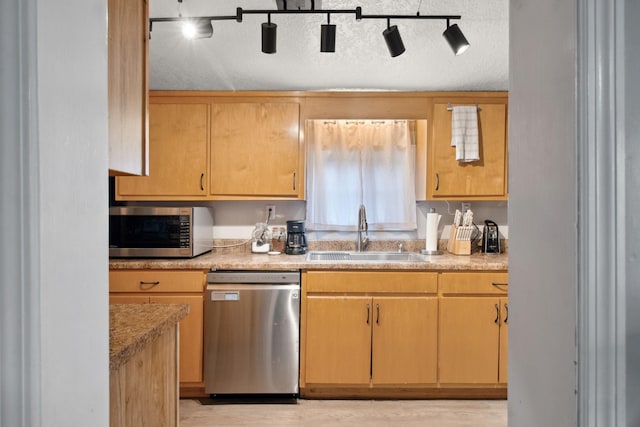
(458, 247)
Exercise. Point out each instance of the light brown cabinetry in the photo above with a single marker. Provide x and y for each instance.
(473, 330)
(483, 179)
(128, 45)
(169, 287)
(368, 329)
(255, 149)
(178, 159)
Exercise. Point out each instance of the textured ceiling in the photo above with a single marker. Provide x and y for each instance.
(232, 60)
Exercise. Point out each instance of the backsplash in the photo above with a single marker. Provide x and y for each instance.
(235, 220)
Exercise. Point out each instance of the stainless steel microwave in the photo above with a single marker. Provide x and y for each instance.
(159, 232)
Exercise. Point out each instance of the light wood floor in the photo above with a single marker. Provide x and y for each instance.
(436, 413)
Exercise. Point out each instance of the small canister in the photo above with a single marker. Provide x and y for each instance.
(278, 239)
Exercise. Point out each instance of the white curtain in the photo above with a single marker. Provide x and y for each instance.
(368, 162)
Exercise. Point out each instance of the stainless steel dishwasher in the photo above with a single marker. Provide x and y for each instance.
(252, 333)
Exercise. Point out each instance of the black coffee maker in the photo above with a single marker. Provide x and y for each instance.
(296, 240)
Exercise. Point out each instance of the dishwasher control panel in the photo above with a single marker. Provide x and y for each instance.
(248, 277)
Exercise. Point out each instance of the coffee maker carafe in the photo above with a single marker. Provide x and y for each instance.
(296, 240)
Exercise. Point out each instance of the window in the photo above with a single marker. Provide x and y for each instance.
(368, 162)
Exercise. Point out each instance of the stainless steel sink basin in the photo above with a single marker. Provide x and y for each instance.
(342, 256)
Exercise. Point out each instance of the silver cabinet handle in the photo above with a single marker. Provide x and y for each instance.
(437, 181)
(497, 314)
(368, 312)
(377, 314)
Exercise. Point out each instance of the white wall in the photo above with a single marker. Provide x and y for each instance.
(54, 306)
(542, 213)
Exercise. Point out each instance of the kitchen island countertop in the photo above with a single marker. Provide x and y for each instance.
(133, 326)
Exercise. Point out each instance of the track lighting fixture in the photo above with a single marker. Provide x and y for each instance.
(197, 29)
(269, 33)
(202, 27)
(328, 36)
(455, 38)
(393, 39)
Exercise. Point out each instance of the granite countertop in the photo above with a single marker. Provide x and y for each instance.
(133, 326)
(250, 261)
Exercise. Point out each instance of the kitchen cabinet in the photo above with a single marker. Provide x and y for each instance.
(128, 53)
(255, 150)
(473, 329)
(178, 167)
(485, 179)
(368, 329)
(169, 287)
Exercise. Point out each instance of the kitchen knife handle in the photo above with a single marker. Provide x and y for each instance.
(437, 181)
(368, 313)
(202, 181)
(497, 314)
(377, 314)
(506, 307)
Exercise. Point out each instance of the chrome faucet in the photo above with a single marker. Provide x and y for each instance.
(361, 243)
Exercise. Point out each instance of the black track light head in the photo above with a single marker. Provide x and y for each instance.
(269, 40)
(455, 38)
(328, 38)
(197, 28)
(394, 41)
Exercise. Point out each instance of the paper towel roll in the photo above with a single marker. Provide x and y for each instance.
(432, 232)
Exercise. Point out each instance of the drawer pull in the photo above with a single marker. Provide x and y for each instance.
(368, 313)
(149, 285)
(497, 314)
(378, 314)
(499, 284)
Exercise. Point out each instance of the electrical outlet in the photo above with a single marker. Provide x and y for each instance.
(270, 212)
(466, 207)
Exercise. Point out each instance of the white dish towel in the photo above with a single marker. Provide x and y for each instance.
(464, 133)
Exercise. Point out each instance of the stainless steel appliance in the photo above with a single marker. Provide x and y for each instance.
(167, 232)
(296, 239)
(252, 332)
(490, 238)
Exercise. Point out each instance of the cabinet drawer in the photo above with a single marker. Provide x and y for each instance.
(474, 283)
(156, 281)
(371, 281)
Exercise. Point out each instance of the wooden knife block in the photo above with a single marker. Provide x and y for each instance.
(458, 247)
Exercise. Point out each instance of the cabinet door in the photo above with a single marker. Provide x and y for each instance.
(128, 87)
(504, 340)
(178, 136)
(255, 149)
(485, 178)
(191, 334)
(469, 340)
(338, 340)
(405, 340)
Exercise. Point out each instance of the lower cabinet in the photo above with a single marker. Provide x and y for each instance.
(473, 328)
(369, 329)
(169, 287)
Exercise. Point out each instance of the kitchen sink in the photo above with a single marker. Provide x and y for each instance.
(342, 256)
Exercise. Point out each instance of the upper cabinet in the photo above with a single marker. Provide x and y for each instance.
(486, 178)
(255, 150)
(128, 46)
(178, 158)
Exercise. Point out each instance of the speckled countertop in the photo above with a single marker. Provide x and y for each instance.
(133, 326)
(242, 259)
